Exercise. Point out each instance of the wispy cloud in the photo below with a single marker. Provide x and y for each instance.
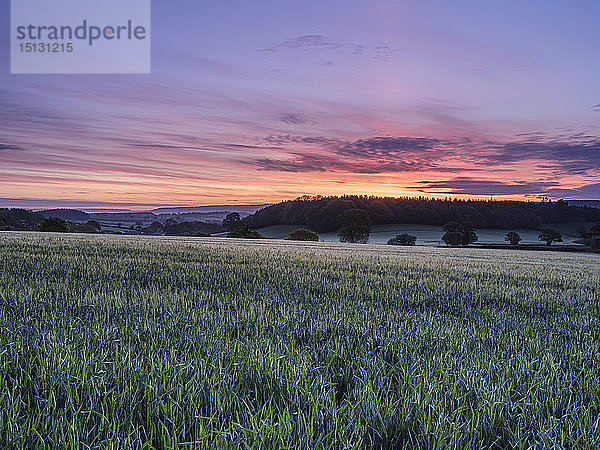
(318, 44)
(9, 147)
(471, 186)
(389, 147)
(370, 155)
(586, 192)
(319, 163)
(297, 119)
(577, 155)
(571, 156)
(33, 203)
(283, 139)
(312, 42)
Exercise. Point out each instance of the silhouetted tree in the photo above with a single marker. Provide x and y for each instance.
(459, 234)
(403, 239)
(53, 224)
(513, 237)
(549, 236)
(355, 226)
(302, 234)
(155, 228)
(232, 221)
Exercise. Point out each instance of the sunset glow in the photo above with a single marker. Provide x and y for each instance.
(257, 102)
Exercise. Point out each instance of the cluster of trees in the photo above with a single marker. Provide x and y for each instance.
(237, 228)
(549, 236)
(174, 228)
(54, 225)
(16, 219)
(321, 213)
(459, 234)
(58, 225)
(19, 219)
(24, 220)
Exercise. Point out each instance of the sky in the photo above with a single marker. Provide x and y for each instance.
(264, 101)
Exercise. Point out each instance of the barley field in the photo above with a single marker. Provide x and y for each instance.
(143, 342)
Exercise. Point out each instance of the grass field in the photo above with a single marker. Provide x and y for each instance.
(430, 235)
(116, 342)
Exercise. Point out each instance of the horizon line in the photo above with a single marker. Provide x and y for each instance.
(96, 207)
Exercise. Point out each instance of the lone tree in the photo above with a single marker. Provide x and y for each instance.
(53, 224)
(403, 239)
(232, 221)
(302, 234)
(459, 234)
(355, 226)
(549, 236)
(513, 237)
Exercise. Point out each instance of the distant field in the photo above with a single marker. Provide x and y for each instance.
(428, 235)
(133, 342)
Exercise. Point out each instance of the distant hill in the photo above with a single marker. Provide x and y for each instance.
(208, 214)
(72, 215)
(242, 209)
(588, 203)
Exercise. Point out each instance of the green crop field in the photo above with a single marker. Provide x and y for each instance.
(431, 235)
(117, 342)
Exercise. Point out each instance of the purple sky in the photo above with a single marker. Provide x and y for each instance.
(253, 102)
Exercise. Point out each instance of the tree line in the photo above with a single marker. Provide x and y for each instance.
(16, 219)
(320, 213)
